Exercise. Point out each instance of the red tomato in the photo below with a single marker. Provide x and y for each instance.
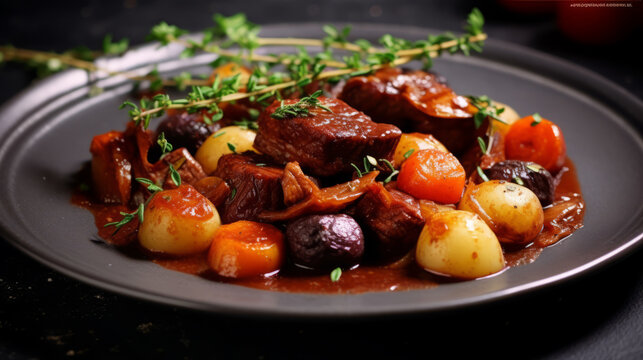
(542, 143)
(432, 175)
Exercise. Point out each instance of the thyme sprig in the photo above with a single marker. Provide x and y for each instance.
(236, 39)
(301, 108)
(486, 108)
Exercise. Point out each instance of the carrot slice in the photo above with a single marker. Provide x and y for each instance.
(432, 175)
(246, 248)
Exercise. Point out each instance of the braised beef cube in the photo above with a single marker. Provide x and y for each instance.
(392, 220)
(324, 143)
(112, 157)
(188, 168)
(414, 101)
(253, 187)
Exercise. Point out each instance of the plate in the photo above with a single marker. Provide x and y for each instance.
(45, 133)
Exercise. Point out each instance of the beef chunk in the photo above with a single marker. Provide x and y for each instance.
(391, 218)
(253, 188)
(324, 143)
(414, 101)
(303, 196)
(111, 166)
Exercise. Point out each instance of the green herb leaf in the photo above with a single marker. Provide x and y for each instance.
(151, 186)
(176, 177)
(537, 119)
(165, 145)
(336, 274)
(301, 108)
(408, 153)
(483, 146)
(232, 148)
(481, 173)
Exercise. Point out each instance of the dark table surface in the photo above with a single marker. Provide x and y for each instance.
(44, 314)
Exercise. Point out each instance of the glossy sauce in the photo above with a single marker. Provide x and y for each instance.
(563, 217)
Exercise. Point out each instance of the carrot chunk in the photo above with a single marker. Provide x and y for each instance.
(246, 248)
(432, 175)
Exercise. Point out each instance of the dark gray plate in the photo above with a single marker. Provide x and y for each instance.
(45, 133)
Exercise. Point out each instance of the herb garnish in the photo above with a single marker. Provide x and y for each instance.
(485, 109)
(235, 39)
(537, 119)
(483, 146)
(166, 147)
(127, 217)
(336, 274)
(300, 108)
(481, 173)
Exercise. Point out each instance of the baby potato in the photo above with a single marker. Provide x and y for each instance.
(180, 221)
(512, 211)
(509, 115)
(246, 248)
(459, 244)
(224, 142)
(229, 70)
(415, 142)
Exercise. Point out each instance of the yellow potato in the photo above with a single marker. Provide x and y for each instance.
(415, 142)
(180, 221)
(512, 211)
(229, 70)
(223, 142)
(459, 244)
(509, 115)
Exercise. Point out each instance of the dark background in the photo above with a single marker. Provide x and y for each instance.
(46, 315)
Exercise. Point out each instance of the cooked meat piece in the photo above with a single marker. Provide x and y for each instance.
(214, 188)
(188, 168)
(304, 197)
(414, 101)
(325, 143)
(183, 129)
(392, 219)
(111, 166)
(254, 188)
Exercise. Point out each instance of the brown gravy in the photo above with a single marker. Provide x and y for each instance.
(561, 219)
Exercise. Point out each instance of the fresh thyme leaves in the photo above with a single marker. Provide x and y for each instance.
(232, 148)
(127, 218)
(114, 48)
(166, 147)
(176, 177)
(150, 185)
(483, 146)
(537, 119)
(336, 274)
(394, 172)
(357, 169)
(333, 35)
(519, 181)
(165, 33)
(300, 108)
(408, 153)
(485, 109)
(482, 175)
(234, 39)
